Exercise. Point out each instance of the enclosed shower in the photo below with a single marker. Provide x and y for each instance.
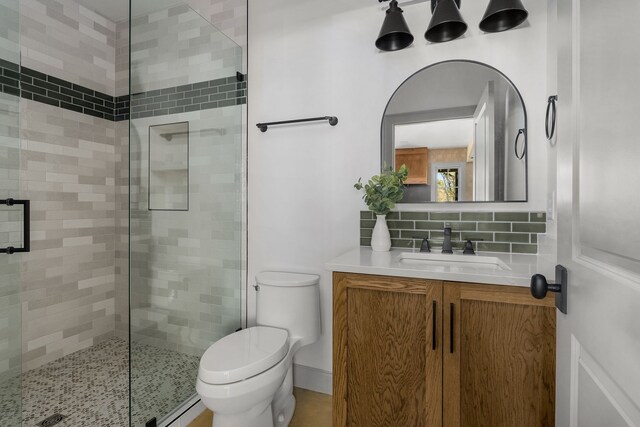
(122, 205)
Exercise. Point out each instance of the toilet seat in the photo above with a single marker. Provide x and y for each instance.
(243, 354)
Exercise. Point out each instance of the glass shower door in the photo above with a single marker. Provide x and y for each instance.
(185, 201)
(11, 217)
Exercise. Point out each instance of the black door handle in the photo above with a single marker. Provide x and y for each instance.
(540, 287)
(452, 324)
(26, 225)
(524, 150)
(551, 109)
(434, 331)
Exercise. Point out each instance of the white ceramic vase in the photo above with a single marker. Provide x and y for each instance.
(381, 239)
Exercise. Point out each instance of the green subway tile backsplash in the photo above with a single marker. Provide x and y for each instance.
(509, 232)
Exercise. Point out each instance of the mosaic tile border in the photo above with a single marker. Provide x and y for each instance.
(510, 232)
(40, 87)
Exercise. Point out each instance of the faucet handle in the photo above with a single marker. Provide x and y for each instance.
(424, 246)
(468, 248)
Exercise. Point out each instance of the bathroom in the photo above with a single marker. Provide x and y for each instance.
(159, 212)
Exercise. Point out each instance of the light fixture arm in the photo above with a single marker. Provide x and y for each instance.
(434, 3)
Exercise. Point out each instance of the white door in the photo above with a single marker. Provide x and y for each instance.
(598, 366)
(484, 144)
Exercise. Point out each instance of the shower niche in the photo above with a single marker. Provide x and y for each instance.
(169, 167)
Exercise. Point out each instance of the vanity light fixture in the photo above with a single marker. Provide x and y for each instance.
(502, 15)
(394, 34)
(446, 22)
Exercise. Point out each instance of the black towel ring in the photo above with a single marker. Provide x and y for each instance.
(551, 108)
(521, 132)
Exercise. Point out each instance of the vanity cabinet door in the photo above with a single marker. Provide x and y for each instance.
(387, 351)
(499, 357)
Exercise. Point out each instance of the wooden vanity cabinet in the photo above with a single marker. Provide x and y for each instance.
(415, 352)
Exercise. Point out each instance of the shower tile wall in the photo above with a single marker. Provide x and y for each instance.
(229, 16)
(186, 266)
(68, 161)
(69, 41)
(163, 37)
(122, 187)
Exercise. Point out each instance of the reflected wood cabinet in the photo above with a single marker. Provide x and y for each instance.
(417, 160)
(416, 352)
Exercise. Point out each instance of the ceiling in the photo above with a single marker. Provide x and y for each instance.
(454, 133)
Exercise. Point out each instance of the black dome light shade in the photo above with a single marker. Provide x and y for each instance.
(395, 34)
(446, 23)
(502, 15)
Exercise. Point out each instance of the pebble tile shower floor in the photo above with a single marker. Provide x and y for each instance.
(91, 387)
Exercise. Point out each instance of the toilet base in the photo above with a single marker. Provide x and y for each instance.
(247, 419)
(286, 414)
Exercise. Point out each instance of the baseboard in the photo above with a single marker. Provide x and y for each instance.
(312, 379)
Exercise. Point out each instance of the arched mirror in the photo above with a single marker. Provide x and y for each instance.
(461, 129)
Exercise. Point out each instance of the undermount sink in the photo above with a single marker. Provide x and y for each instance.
(453, 260)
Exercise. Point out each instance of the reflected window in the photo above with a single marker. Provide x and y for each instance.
(448, 185)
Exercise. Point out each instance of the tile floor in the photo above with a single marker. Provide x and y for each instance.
(312, 410)
(90, 387)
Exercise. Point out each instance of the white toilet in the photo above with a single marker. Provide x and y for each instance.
(246, 378)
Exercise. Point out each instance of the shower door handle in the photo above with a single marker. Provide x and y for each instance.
(26, 224)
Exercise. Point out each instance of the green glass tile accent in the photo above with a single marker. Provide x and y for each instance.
(524, 249)
(462, 226)
(366, 215)
(402, 243)
(439, 236)
(529, 228)
(414, 216)
(477, 216)
(492, 231)
(538, 217)
(493, 247)
(414, 234)
(512, 216)
(401, 225)
(458, 245)
(444, 216)
(466, 235)
(429, 225)
(512, 237)
(494, 226)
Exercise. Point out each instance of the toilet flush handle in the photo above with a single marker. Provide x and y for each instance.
(256, 287)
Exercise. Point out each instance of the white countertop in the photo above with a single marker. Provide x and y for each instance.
(363, 260)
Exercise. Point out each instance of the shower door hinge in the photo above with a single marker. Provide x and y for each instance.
(152, 423)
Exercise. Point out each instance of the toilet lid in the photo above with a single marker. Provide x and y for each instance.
(243, 354)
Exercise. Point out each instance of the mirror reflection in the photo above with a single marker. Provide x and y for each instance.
(460, 127)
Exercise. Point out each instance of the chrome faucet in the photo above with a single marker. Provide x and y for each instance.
(446, 243)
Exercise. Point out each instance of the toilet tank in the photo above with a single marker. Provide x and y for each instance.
(289, 301)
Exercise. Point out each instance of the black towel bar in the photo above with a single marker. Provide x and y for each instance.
(331, 119)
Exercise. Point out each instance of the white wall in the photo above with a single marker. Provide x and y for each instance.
(310, 58)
